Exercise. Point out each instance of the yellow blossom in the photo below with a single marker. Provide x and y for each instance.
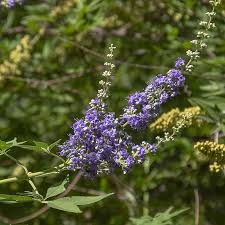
(215, 167)
(167, 121)
(18, 56)
(213, 150)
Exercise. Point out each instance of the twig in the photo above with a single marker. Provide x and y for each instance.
(34, 83)
(26, 171)
(47, 172)
(46, 83)
(196, 206)
(43, 209)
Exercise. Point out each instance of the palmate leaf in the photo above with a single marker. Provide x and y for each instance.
(53, 191)
(164, 218)
(70, 204)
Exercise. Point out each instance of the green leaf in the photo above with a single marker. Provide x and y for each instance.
(31, 147)
(70, 204)
(86, 200)
(15, 143)
(41, 145)
(53, 191)
(164, 218)
(4, 146)
(51, 146)
(15, 198)
(64, 204)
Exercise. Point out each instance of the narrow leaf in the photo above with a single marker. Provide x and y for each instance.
(51, 146)
(64, 204)
(41, 144)
(86, 200)
(53, 191)
(15, 198)
(32, 147)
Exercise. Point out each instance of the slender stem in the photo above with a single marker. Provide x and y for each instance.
(125, 124)
(56, 156)
(199, 47)
(26, 171)
(43, 209)
(44, 173)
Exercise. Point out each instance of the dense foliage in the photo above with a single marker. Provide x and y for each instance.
(52, 57)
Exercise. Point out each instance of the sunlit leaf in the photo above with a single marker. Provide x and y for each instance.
(53, 191)
(64, 204)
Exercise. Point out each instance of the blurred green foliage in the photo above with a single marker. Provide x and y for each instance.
(62, 76)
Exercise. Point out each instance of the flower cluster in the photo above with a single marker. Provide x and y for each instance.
(10, 3)
(184, 120)
(214, 151)
(215, 167)
(98, 145)
(144, 106)
(17, 57)
(167, 121)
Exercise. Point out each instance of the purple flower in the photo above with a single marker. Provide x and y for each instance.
(99, 145)
(142, 150)
(179, 62)
(144, 106)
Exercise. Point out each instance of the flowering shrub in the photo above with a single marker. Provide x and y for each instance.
(103, 140)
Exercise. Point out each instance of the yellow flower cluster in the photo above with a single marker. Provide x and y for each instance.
(214, 151)
(17, 57)
(171, 119)
(62, 9)
(215, 167)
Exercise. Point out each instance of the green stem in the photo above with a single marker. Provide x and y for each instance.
(26, 171)
(56, 156)
(44, 173)
(198, 48)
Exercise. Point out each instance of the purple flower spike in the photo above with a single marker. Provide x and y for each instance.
(144, 106)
